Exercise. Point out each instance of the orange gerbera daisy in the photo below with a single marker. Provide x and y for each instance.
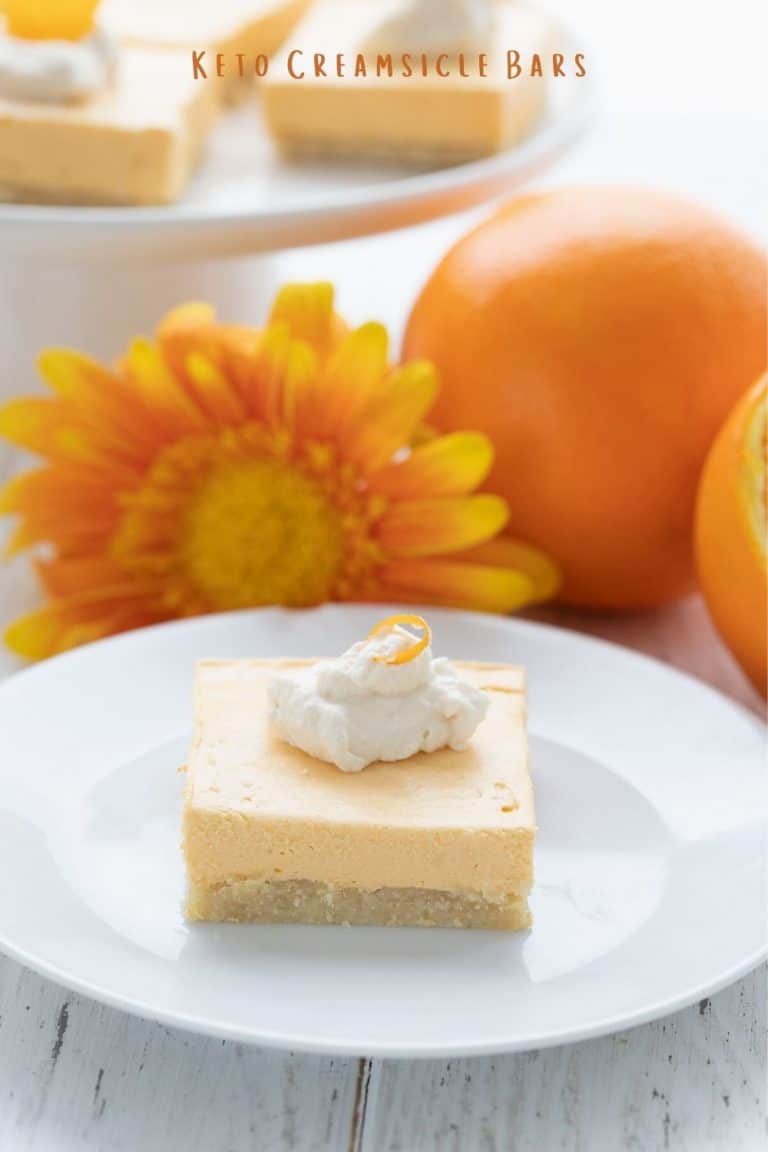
(221, 467)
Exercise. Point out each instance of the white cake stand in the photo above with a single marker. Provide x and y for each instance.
(93, 277)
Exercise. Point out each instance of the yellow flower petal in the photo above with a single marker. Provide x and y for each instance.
(194, 314)
(505, 552)
(31, 423)
(68, 535)
(267, 382)
(460, 585)
(73, 620)
(80, 381)
(50, 428)
(36, 636)
(307, 309)
(452, 465)
(59, 490)
(392, 418)
(432, 527)
(214, 391)
(353, 380)
(191, 330)
(159, 388)
(101, 402)
(66, 576)
(300, 392)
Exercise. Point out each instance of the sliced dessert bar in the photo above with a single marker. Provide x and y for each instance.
(270, 834)
(249, 28)
(135, 143)
(432, 118)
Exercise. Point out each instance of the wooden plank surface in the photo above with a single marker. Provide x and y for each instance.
(75, 1075)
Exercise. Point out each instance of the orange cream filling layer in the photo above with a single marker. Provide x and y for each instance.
(258, 808)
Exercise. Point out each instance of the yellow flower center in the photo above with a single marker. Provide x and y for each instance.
(257, 532)
(235, 519)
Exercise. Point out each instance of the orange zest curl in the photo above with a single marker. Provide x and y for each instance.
(405, 655)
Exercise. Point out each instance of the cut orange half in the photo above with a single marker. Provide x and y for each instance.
(731, 532)
(405, 655)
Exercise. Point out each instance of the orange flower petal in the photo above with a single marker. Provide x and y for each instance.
(63, 506)
(424, 434)
(452, 465)
(214, 391)
(66, 576)
(300, 393)
(32, 423)
(236, 351)
(191, 331)
(62, 624)
(505, 552)
(460, 585)
(282, 388)
(161, 391)
(267, 381)
(432, 527)
(193, 315)
(36, 636)
(88, 533)
(49, 428)
(102, 401)
(390, 421)
(185, 330)
(353, 380)
(64, 491)
(307, 310)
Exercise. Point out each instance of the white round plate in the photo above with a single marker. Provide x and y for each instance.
(650, 863)
(247, 198)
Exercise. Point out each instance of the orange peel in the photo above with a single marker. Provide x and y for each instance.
(405, 655)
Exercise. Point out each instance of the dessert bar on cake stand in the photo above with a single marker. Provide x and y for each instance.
(94, 276)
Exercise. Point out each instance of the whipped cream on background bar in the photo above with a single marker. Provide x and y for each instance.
(56, 71)
(435, 26)
(373, 704)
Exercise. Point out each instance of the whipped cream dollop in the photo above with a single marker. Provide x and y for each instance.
(56, 71)
(358, 708)
(435, 26)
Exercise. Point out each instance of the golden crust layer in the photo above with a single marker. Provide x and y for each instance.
(309, 902)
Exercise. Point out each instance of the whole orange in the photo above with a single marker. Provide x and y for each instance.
(731, 530)
(599, 336)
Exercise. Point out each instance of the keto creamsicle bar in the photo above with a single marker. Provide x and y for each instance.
(136, 142)
(443, 838)
(335, 92)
